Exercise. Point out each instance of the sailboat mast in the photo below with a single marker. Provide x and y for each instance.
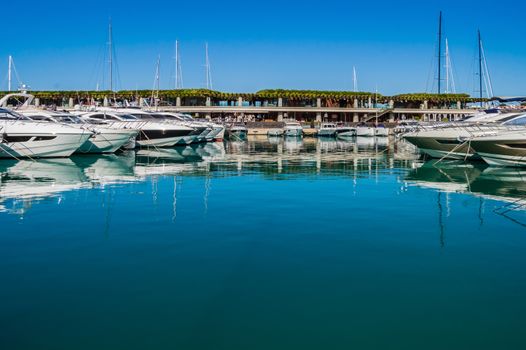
(439, 51)
(354, 79)
(110, 48)
(447, 67)
(9, 73)
(480, 67)
(207, 65)
(176, 64)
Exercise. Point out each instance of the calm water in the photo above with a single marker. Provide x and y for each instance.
(262, 245)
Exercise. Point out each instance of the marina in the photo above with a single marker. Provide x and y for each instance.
(175, 177)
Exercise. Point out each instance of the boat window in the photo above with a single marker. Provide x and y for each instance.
(11, 115)
(508, 118)
(143, 116)
(98, 116)
(127, 117)
(517, 121)
(39, 117)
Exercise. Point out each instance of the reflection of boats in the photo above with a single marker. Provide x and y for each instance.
(26, 181)
(365, 142)
(450, 176)
(108, 169)
(504, 184)
(275, 132)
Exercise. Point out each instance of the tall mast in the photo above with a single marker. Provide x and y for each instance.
(439, 51)
(178, 70)
(176, 64)
(110, 47)
(208, 72)
(480, 66)
(9, 73)
(157, 85)
(447, 67)
(354, 79)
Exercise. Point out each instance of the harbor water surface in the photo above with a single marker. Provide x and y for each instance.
(265, 244)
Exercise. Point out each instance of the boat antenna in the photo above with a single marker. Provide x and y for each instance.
(439, 51)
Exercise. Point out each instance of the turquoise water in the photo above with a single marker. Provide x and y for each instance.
(309, 244)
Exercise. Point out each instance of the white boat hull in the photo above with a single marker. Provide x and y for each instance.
(365, 131)
(107, 141)
(62, 145)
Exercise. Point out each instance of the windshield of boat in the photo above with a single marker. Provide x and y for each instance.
(143, 116)
(517, 121)
(65, 118)
(127, 116)
(6, 114)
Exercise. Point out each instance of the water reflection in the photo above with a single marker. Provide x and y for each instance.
(22, 183)
(502, 184)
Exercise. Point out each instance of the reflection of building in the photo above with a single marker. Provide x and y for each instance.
(27, 182)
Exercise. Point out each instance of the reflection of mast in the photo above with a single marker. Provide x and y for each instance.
(440, 219)
(174, 200)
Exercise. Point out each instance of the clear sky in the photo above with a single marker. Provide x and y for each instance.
(60, 45)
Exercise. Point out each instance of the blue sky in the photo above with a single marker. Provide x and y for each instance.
(257, 45)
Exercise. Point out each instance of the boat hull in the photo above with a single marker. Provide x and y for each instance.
(57, 146)
(502, 151)
(107, 141)
(365, 131)
(443, 147)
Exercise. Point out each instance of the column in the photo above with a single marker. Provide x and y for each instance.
(355, 117)
(178, 102)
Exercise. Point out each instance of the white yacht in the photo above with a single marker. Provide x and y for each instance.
(237, 132)
(104, 139)
(21, 137)
(507, 147)
(327, 130)
(381, 131)
(152, 133)
(203, 131)
(293, 129)
(276, 132)
(365, 130)
(453, 140)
